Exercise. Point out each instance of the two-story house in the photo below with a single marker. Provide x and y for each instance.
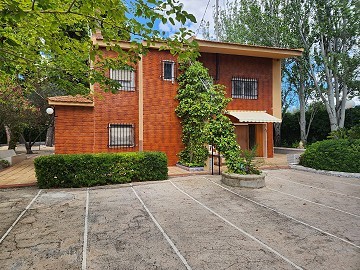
(141, 115)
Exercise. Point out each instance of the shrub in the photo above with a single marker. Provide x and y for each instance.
(85, 170)
(4, 164)
(334, 155)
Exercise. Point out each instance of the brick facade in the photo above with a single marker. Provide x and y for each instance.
(85, 129)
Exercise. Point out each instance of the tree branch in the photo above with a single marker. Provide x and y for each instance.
(71, 5)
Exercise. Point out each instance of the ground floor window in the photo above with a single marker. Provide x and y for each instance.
(121, 135)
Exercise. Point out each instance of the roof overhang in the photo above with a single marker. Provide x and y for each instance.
(214, 47)
(246, 50)
(77, 100)
(65, 103)
(254, 117)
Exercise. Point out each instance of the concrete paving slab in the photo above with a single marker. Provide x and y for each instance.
(12, 203)
(306, 247)
(122, 235)
(347, 204)
(205, 241)
(49, 236)
(316, 181)
(212, 228)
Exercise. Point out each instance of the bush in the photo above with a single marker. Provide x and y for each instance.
(333, 155)
(85, 170)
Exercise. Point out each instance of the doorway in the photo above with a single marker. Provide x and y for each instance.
(249, 135)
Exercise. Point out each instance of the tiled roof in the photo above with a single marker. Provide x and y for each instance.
(76, 99)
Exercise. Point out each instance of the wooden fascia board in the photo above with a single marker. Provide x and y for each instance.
(77, 104)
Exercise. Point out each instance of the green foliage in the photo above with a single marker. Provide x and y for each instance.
(249, 156)
(343, 133)
(333, 155)
(85, 170)
(52, 38)
(201, 109)
(4, 164)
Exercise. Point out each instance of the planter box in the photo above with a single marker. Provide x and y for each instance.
(239, 180)
(190, 169)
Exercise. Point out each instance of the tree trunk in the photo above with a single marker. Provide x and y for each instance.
(277, 134)
(50, 136)
(302, 120)
(8, 134)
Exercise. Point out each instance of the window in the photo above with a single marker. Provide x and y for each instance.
(121, 135)
(168, 70)
(244, 88)
(125, 77)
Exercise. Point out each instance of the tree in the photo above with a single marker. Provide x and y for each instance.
(334, 62)
(49, 42)
(327, 30)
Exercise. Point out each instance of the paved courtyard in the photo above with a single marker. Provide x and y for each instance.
(300, 220)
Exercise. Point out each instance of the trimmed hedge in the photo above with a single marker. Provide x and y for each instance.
(333, 155)
(85, 170)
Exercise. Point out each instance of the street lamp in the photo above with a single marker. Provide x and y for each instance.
(49, 111)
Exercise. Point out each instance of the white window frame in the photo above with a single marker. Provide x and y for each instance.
(124, 82)
(115, 129)
(172, 70)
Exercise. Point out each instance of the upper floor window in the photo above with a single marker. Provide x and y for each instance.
(121, 135)
(244, 88)
(168, 70)
(125, 77)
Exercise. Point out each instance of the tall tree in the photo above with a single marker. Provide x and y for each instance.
(327, 30)
(44, 42)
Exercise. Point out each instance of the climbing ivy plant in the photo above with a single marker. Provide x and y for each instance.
(201, 108)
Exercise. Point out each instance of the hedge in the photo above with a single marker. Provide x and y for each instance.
(85, 170)
(333, 155)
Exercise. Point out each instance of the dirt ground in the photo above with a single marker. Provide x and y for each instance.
(300, 220)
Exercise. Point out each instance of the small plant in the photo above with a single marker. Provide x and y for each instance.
(4, 164)
(249, 156)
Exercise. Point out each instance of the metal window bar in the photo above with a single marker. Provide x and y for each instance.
(168, 70)
(121, 135)
(125, 77)
(245, 88)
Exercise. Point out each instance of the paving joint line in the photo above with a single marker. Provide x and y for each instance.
(84, 259)
(239, 229)
(171, 243)
(340, 182)
(327, 206)
(286, 215)
(327, 190)
(19, 217)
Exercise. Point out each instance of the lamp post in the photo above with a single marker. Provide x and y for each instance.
(50, 131)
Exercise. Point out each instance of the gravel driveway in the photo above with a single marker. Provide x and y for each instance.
(300, 220)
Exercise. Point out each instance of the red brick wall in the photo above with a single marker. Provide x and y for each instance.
(74, 130)
(162, 128)
(81, 129)
(247, 67)
(112, 108)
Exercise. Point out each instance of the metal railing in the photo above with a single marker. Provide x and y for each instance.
(244, 88)
(125, 77)
(121, 135)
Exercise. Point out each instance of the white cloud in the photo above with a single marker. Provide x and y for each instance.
(197, 8)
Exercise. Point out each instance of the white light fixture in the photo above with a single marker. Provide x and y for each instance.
(49, 111)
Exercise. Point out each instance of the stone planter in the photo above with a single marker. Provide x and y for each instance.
(190, 169)
(239, 180)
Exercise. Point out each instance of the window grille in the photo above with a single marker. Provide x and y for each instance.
(125, 77)
(244, 88)
(168, 70)
(121, 135)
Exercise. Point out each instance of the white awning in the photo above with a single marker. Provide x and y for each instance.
(254, 116)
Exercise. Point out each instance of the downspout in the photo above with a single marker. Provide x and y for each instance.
(141, 105)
